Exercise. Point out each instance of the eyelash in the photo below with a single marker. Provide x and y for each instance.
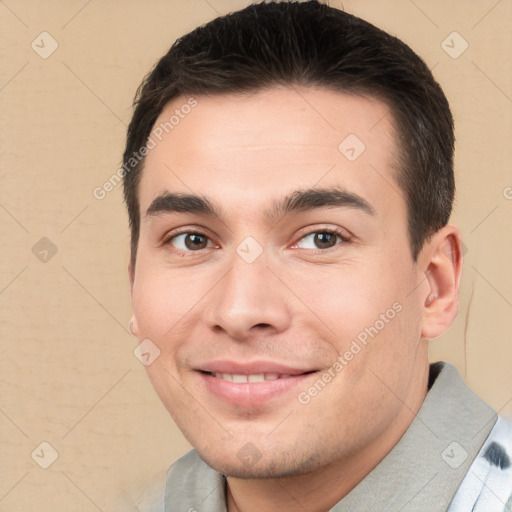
(332, 231)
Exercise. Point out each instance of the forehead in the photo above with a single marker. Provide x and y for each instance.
(269, 142)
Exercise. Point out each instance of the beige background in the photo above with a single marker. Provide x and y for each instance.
(68, 374)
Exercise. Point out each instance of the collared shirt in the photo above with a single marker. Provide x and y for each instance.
(454, 452)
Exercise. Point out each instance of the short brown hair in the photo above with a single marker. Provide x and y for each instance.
(309, 44)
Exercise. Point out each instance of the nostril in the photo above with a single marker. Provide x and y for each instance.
(262, 325)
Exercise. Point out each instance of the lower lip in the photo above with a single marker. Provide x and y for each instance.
(250, 394)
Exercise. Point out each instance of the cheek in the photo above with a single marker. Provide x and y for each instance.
(349, 298)
(162, 299)
(368, 317)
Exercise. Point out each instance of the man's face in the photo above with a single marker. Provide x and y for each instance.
(272, 293)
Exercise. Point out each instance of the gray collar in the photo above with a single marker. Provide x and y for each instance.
(420, 474)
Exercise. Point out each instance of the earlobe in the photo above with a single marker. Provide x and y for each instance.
(443, 273)
(134, 328)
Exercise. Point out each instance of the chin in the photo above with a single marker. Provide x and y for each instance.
(279, 466)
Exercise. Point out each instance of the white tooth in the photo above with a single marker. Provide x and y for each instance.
(227, 376)
(285, 376)
(239, 378)
(271, 376)
(257, 378)
(218, 375)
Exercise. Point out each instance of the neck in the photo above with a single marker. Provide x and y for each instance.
(320, 490)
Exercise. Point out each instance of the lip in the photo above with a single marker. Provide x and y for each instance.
(251, 367)
(251, 394)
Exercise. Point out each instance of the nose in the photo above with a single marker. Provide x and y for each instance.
(250, 299)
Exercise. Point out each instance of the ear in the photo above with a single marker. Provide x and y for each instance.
(134, 328)
(131, 273)
(442, 259)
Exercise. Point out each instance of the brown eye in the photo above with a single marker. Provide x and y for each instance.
(195, 241)
(319, 240)
(325, 240)
(189, 241)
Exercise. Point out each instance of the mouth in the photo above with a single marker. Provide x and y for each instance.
(241, 378)
(251, 386)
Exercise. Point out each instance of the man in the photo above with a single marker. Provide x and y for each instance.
(289, 182)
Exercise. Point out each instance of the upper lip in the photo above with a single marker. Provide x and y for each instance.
(251, 368)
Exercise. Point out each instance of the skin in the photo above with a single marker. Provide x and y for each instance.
(293, 305)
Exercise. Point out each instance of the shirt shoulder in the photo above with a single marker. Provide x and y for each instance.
(151, 499)
(487, 486)
(192, 485)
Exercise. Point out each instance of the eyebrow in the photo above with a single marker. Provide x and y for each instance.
(298, 201)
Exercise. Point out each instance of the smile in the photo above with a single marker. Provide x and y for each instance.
(250, 390)
(257, 377)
